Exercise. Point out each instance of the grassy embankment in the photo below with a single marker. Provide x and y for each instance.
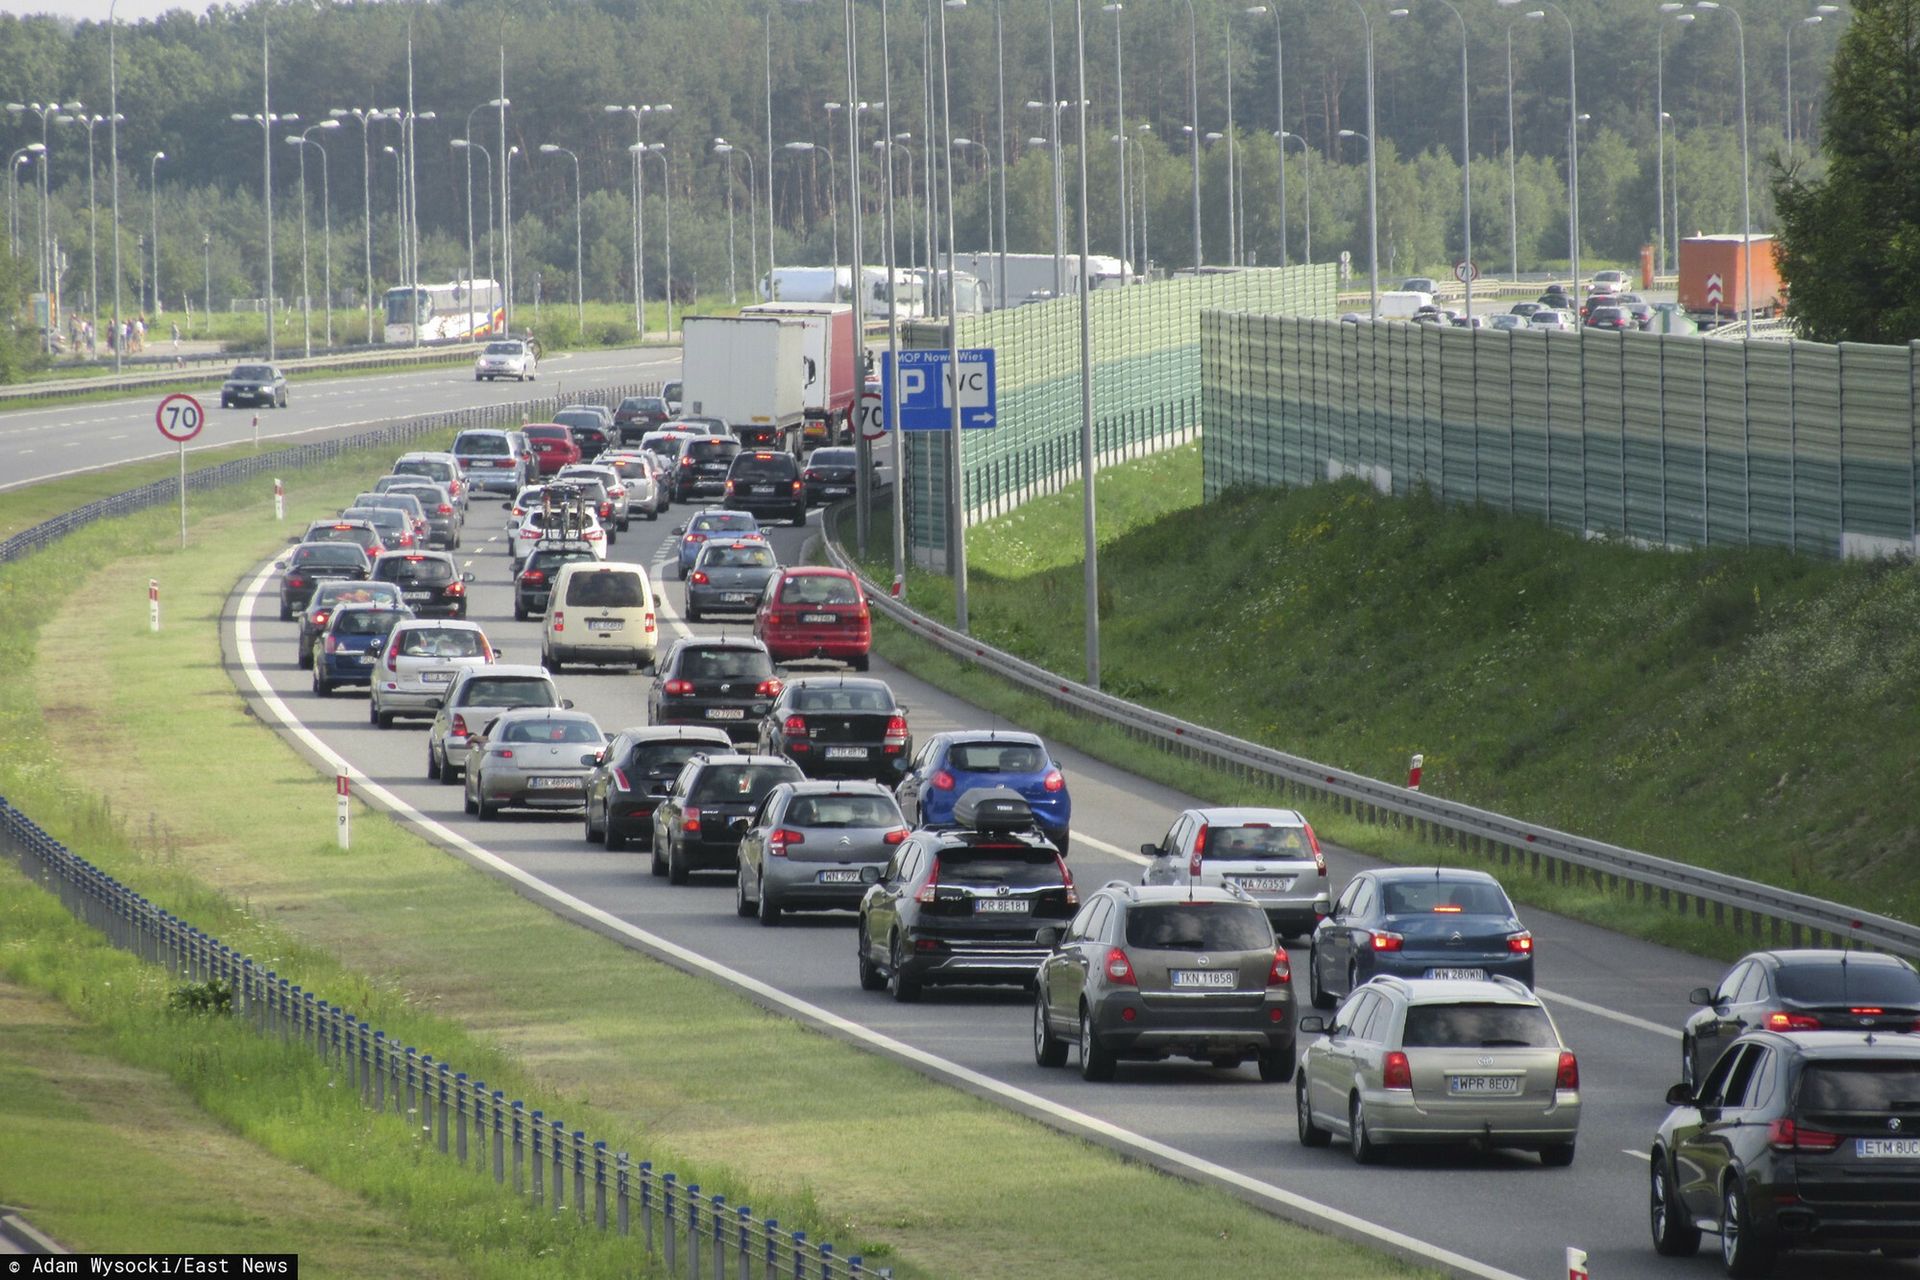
(1749, 711)
(208, 814)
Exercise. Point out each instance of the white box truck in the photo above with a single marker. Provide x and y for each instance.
(750, 370)
(832, 374)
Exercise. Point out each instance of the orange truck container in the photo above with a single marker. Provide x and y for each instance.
(1713, 279)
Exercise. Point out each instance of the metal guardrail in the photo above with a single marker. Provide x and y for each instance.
(1755, 908)
(212, 369)
(555, 1168)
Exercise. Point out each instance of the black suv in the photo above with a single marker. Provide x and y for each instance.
(1793, 1141)
(726, 683)
(699, 822)
(430, 583)
(632, 774)
(638, 415)
(768, 484)
(834, 727)
(981, 902)
(312, 563)
(1804, 990)
(703, 467)
(589, 426)
(533, 585)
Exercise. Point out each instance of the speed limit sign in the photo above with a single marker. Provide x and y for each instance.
(873, 416)
(180, 417)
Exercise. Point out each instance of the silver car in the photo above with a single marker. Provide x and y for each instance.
(477, 696)
(1270, 853)
(505, 358)
(1409, 1061)
(807, 845)
(729, 577)
(417, 666)
(532, 759)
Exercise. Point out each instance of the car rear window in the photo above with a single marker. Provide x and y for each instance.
(843, 811)
(438, 643)
(832, 458)
(1017, 866)
(664, 759)
(1860, 1086)
(577, 418)
(1854, 984)
(609, 589)
(1479, 1026)
(336, 594)
(581, 731)
(721, 664)
(712, 450)
(841, 699)
(997, 757)
(508, 691)
(725, 522)
(366, 622)
(546, 433)
(741, 783)
(431, 470)
(764, 466)
(1199, 926)
(729, 557)
(407, 569)
(482, 446)
(547, 560)
(818, 588)
(1470, 897)
(1238, 844)
(329, 553)
(665, 446)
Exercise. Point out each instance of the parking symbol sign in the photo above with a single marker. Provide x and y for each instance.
(926, 389)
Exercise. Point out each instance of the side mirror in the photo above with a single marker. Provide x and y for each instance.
(506, 506)
(436, 703)
(1313, 1025)
(599, 757)
(903, 708)
(294, 539)
(1049, 937)
(900, 764)
(869, 875)
(679, 528)
(589, 757)
(1700, 995)
(1152, 851)
(1680, 1096)
(466, 577)
(566, 704)
(280, 564)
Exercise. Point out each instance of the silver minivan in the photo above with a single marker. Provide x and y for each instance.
(1271, 854)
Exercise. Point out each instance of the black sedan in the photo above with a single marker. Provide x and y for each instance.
(312, 563)
(634, 773)
(829, 475)
(254, 384)
(838, 726)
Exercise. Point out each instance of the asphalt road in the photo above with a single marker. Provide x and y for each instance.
(44, 444)
(1618, 1001)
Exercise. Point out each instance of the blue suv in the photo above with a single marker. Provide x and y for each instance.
(347, 650)
(948, 765)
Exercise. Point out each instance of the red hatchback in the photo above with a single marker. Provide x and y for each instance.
(815, 613)
(553, 446)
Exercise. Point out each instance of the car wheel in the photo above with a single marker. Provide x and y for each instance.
(1315, 992)
(1363, 1147)
(550, 662)
(860, 661)
(1096, 1062)
(321, 688)
(519, 614)
(1557, 1156)
(626, 524)
(466, 800)
(653, 514)
(905, 988)
(1276, 1064)
(303, 657)
(769, 910)
(1674, 1235)
(1311, 1134)
(614, 837)
(871, 979)
(286, 614)
(742, 905)
(800, 518)
(450, 773)
(659, 866)
(677, 865)
(693, 614)
(1049, 1050)
(433, 766)
(1742, 1251)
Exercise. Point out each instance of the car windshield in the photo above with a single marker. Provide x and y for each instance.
(365, 622)
(1861, 984)
(482, 446)
(712, 450)
(253, 373)
(665, 759)
(724, 664)
(996, 757)
(437, 643)
(606, 589)
(1199, 926)
(763, 466)
(818, 588)
(547, 433)
(1467, 897)
(1861, 1086)
(1479, 1026)
(724, 522)
(742, 783)
(329, 553)
(1018, 866)
(841, 698)
(737, 557)
(1238, 844)
(504, 348)
(843, 811)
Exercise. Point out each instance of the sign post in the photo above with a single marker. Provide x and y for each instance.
(180, 418)
(153, 604)
(342, 791)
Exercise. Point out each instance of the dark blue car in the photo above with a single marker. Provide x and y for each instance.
(347, 650)
(948, 765)
(1417, 922)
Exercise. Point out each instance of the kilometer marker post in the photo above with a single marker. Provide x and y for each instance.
(342, 790)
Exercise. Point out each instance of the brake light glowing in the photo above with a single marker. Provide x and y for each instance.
(504, 753)
(1396, 1072)
(1384, 941)
(770, 687)
(1199, 851)
(444, 510)
(459, 726)
(896, 836)
(1778, 1021)
(796, 726)
(690, 821)
(456, 589)
(1521, 943)
(320, 616)
(1119, 968)
(1053, 782)
(698, 577)
(1278, 973)
(678, 688)
(1568, 1074)
(796, 486)
(1788, 1135)
(933, 881)
(778, 841)
(295, 580)
(1868, 1009)
(942, 781)
(533, 575)
(696, 537)
(896, 729)
(1445, 909)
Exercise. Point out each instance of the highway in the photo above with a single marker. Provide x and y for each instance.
(1618, 1001)
(64, 440)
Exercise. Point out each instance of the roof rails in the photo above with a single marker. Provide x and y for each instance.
(1513, 984)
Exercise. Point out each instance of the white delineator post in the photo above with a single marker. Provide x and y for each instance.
(279, 499)
(153, 604)
(1576, 1263)
(342, 791)
(1413, 772)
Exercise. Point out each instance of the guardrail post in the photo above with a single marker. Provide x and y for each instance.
(855, 1266)
(460, 1117)
(646, 1202)
(499, 1133)
(799, 1239)
(519, 1146)
(743, 1255)
(769, 1234)
(556, 1152)
(536, 1160)
(622, 1210)
(600, 1185)
(667, 1181)
(427, 1070)
(283, 990)
(826, 1260)
(580, 1174)
(693, 1231)
(718, 1217)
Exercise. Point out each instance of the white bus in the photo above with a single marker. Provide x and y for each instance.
(451, 312)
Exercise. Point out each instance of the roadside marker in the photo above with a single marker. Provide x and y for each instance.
(279, 499)
(153, 604)
(341, 790)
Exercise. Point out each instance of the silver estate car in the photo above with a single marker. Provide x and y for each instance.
(729, 577)
(477, 696)
(537, 758)
(1439, 1061)
(807, 844)
(1271, 853)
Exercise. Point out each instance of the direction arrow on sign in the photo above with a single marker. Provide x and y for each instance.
(1715, 289)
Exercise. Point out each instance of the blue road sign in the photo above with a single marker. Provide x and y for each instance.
(924, 388)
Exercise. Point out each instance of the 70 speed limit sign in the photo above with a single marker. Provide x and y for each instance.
(180, 417)
(873, 415)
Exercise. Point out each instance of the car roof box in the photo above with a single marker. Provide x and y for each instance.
(990, 809)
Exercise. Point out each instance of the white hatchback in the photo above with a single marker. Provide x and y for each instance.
(610, 479)
(418, 666)
(530, 530)
(505, 358)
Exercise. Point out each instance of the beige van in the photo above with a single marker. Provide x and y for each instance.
(601, 611)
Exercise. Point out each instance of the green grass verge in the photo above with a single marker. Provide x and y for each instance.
(851, 1146)
(1749, 711)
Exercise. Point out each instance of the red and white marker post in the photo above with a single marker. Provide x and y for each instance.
(153, 604)
(279, 499)
(1413, 771)
(342, 790)
(1576, 1263)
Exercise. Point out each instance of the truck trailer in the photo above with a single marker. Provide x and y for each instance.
(750, 370)
(832, 381)
(1713, 278)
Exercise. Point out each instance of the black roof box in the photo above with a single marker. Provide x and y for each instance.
(990, 809)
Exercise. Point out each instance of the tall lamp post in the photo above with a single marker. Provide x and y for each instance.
(1812, 20)
(579, 261)
(93, 252)
(486, 156)
(721, 147)
(1054, 109)
(266, 119)
(1746, 181)
(956, 449)
(1373, 173)
(1120, 130)
(466, 145)
(1673, 8)
(1466, 154)
(639, 112)
(399, 215)
(365, 117)
(1089, 461)
(1513, 176)
(1279, 110)
(25, 155)
(113, 159)
(658, 150)
(1193, 122)
(833, 194)
(1306, 177)
(970, 144)
(326, 218)
(1573, 139)
(47, 269)
(153, 220)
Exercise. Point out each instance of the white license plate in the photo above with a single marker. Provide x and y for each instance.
(1001, 906)
(1204, 977)
(849, 876)
(846, 753)
(819, 617)
(554, 784)
(1887, 1148)
(1459, 975)
(1483, 1086)
(766, 488)
(733, 597)
(416, 595)
(604, 624)
(365, 659)
(436, 677)
(836, 491)
(1266, 884)
(726, 713)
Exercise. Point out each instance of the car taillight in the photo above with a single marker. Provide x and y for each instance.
(393, 652)
(559, 620)
(606, 510)
(1384, 941)
(456, 588)
(1199, 851)
(1066, 878)
(504, 753)
(649, 622)
(896, 729)
(529, 532)
(1521, 943)
(319, 618)
(943, 781)
(443, 509)
(332, 645)
(1568, 1074)
(1119, 968)
(1053, 781)
(686, 462)
(895, 836)
(729, 486)
(1789, 1135)
(294, 580)
(533, 575)
(1395, 1071)
(796, 486)
(678, 688)
(620, 779)
(862, 614)
(933, 882)
(486, 650)
(795, 727)
(690, 821)
(1870, 1009)
(770, 687)
(1278, 973)
(778, 841)
(459, 726)
(1779, 1021)
(1319, 858)
(810, 474)
(698, 577)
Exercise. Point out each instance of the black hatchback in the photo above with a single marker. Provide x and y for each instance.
(703, 467)
(768, 484)
(429, 582)
(726, 683)
(312, 563)
(699, 823)
(839, 727)
(829, 474)
(533, 585)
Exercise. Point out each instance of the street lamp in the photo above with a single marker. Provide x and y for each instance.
(888, 147)
(206, 266)
(1813, 20)
(399, 217)
(721, 147)
(153, 217)
(639, 112)
(984, 149)
(25, 155)
(469, 146)
(658, 150)
(1373, 173)
(1193, 114)
(1573, 139)
(1279, 112)
(1059, 192)
(1513, 178)
(266, 119)
(1466, 156)
(93, 253)
(579, 261)
(1306, 175)
(506, 231)
(47, 269)
(1120, 130)
(303, 140)
(365, 116)
(833, 196)
(1746, 181)
(1672, 8)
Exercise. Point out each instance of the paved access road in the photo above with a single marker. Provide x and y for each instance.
(1618, 1001)
(44, 444)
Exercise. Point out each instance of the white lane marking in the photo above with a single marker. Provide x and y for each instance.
(1600, 1011)
(121, 436)
(806, 1011)
(1637, 1155)
(1096, 842)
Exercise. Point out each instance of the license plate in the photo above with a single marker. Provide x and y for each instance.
(836, 491)
(1482, 1086)
(1266, 884)
(848, 876)
(554, 784)
(846, 753)
(416, 595)
(1204, 977)
(1001, 906)
(733, 597)
(726, 713)
(436, 677)
(365, 659)
(766, 488)
(819, 617)
(604, 624)
(1887, 1148)
(1459, 975)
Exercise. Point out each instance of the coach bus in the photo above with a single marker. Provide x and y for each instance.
(453, 312)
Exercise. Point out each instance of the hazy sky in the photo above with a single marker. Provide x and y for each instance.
(96, 10)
